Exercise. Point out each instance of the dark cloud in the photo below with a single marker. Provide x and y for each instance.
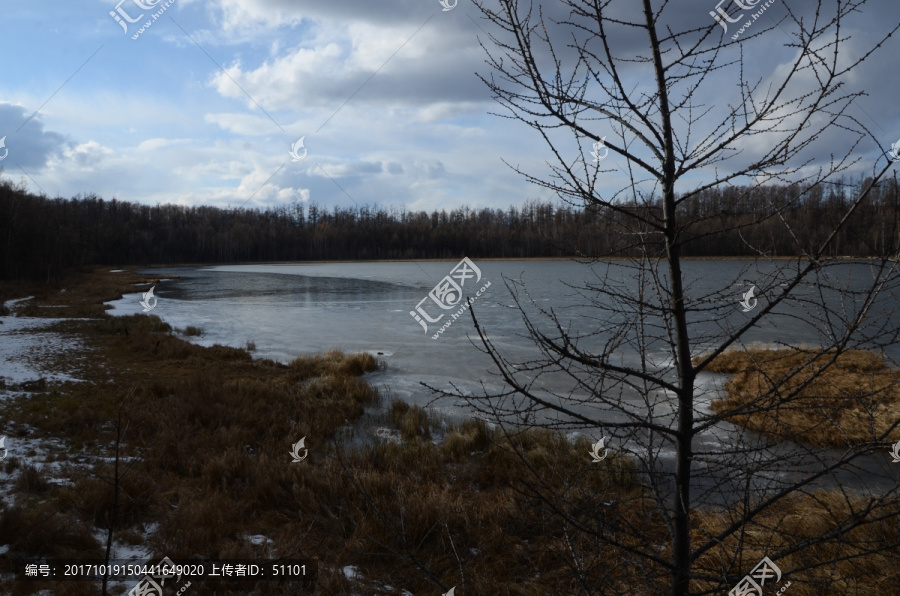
(28, 143)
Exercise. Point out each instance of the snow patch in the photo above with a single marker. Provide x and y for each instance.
(22, 345)
(11, 303)
(388, 434)
(351, 572)
(39, 453)
(259, 540)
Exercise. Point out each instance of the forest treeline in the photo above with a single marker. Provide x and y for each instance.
(42, 237)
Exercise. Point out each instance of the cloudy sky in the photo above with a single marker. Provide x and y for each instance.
(205, 105)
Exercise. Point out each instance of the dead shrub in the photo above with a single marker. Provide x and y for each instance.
(42, 531)
(31, 482)
(471, 437)
(333, 362)
(412, 421)
(93, 497)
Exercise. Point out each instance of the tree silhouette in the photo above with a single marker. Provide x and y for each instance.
(641, 79)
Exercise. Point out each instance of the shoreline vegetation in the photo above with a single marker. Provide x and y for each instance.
(611, 259)
(45, 238)
(812, 396)
(390, 498)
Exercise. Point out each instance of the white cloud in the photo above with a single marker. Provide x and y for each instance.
(87, 155)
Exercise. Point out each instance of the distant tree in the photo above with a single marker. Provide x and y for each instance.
(42, 238)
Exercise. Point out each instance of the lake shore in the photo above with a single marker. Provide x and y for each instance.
(822, 398)
(841, 259)
(388, 497)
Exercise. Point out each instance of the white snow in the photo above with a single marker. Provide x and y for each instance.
(351, 572)
(10, 304)
(24, 345)
(390, 435)
(36, 453)
(21, 348)
(120, 551)
(259, 540)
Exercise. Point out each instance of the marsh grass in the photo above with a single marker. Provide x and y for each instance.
(864, 560)
(79, 294)
(822, 398)
(412, 421)
(30, 481)
(42, 531)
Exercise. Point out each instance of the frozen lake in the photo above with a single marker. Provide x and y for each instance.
(287, 310)
(292, 309)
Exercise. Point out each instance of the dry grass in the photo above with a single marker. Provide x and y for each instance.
(42, 531)
(865, 560)
(411, 420)
(30, 482)
(470, 438)
(78, 294)
(333, 363)
(819, 398)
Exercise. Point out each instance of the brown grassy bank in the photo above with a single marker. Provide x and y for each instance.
(861, 562)
(822, 398)
(78, 294)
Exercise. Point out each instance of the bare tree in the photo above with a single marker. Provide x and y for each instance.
(670, 94)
